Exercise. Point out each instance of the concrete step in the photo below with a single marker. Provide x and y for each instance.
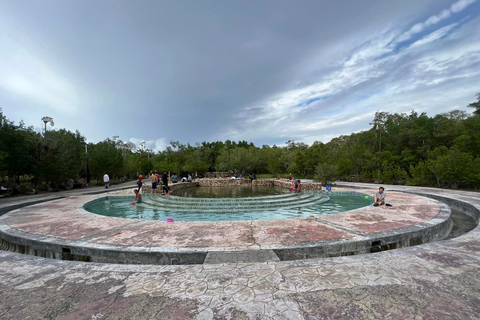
(260, 206)
(229, 204)
(176, 199)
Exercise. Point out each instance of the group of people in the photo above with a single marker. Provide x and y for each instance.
(156, 179)
(296, 185)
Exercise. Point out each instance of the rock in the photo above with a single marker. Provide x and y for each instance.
(22, 189)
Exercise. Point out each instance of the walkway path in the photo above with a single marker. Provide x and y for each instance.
(434, 281)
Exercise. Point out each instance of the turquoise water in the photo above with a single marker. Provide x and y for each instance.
(118, 206)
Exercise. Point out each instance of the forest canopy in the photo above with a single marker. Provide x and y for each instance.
(399, 148)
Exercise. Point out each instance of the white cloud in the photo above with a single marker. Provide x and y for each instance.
(434, 35)
(444, 14)
(436, 73)
(154, 145)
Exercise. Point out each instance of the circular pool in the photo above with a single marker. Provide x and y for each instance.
(234, 208)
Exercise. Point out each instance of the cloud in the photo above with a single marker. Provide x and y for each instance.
(444, 14)
(435, 74)
(434, 35)
(154, 145)
(195, 72)
(27, 76)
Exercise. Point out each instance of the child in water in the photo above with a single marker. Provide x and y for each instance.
(298, 187)
(292, 187)
(138, 197)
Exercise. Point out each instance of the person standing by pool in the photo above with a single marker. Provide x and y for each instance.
(139, 182)
(290, 177)
(138, 197)
(154, 180)
(174, 178)
(106, 180)
(165, 178)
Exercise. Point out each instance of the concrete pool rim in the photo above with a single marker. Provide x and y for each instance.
(64, 249)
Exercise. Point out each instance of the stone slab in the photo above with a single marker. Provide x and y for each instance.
(257, 256)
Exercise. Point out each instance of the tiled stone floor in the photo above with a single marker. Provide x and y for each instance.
(439, 280)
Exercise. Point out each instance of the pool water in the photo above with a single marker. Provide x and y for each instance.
(118, 206)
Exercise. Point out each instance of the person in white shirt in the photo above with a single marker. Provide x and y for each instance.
(379, 197)
(106, 179)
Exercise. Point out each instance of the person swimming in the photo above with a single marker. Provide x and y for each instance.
(138, 197)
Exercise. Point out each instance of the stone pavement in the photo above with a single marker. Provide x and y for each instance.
(22, 199)
(439, 280)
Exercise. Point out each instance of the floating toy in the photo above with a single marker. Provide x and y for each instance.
(169, 220)
(367, 197)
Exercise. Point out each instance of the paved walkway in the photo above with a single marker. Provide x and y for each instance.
(20, 199)
(439, 280)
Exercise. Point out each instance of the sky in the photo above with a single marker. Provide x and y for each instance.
(262, 71)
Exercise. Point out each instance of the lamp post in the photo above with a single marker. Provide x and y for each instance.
(48, 120)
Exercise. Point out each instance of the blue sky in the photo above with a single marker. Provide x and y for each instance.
(265, 72)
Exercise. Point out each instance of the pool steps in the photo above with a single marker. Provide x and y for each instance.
(182, 204)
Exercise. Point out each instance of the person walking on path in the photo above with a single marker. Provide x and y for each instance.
(106, 179)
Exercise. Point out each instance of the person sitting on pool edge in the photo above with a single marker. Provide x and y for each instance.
(138, 197)
(166, 191)
(379, 197)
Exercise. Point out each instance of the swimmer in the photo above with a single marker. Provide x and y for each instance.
(138, 197)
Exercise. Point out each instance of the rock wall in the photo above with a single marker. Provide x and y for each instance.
(283, 183)
(218, 174)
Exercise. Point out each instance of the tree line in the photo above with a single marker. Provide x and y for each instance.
(412, 149)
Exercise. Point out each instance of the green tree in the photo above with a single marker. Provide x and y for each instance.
(326, 173)
(476, 105)
(105, 157)
(61, 156)
(18, 149)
